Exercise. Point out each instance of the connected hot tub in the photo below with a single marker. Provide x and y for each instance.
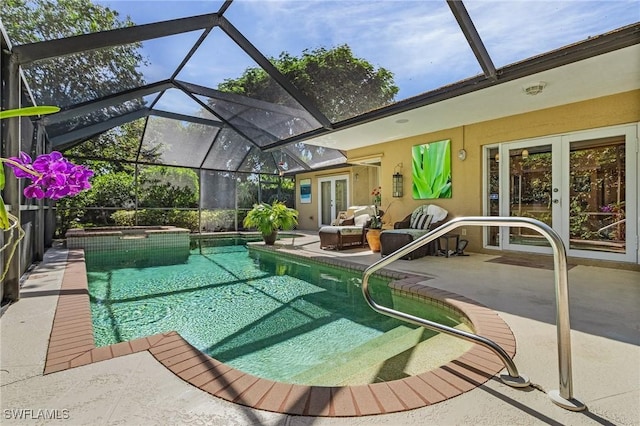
(133, 246)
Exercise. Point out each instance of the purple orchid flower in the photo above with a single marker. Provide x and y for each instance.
(52, 175)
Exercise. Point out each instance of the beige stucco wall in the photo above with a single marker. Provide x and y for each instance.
(467, 175)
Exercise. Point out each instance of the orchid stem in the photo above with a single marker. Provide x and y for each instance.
(20, 166)
(12, 228)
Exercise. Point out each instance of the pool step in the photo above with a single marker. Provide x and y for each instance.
(375, 351)
(398, 353)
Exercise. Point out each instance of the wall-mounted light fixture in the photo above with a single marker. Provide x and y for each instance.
(462, 153)
(525, 154)
(534, 88)
(497, 158)
(397, 187)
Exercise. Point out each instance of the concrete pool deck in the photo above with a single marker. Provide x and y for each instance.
(137, 389)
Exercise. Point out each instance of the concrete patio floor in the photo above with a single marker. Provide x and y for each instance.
(135, 389)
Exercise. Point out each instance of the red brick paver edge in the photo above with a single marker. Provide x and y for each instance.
(71, 345)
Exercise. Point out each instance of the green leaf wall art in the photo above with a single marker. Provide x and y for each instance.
(431, 164)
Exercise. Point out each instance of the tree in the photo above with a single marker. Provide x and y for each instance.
(339, 84)
(120, 143)
(76, 78)
(162, 186)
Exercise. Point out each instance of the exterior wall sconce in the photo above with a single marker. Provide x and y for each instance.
(397, 187)
(525, 154)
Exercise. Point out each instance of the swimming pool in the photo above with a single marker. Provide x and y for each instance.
(276, 318)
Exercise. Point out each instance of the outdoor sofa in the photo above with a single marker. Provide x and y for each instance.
(348, 230)
(418, 223)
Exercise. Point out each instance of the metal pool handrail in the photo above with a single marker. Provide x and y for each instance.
(563, 397)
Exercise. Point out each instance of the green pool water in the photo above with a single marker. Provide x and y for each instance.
(269, 316)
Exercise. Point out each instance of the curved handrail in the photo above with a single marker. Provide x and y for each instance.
(565, 394)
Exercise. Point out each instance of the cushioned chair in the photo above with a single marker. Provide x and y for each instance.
(349, 231)
(412, 227)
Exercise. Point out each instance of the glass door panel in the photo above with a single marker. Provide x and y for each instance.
(341, 195)
(597, 188)
(530, 191)
(334, 197)
(492, 235)
(326, 208)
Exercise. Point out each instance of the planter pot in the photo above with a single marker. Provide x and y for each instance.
(270, 239)
(373, 239)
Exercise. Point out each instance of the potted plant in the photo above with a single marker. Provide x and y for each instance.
(269, 218)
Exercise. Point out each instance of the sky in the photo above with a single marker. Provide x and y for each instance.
(419, 41)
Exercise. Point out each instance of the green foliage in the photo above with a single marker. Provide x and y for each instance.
(431, 165)
(338, 83)
(112, 190)
(124, 218)
(218, 220)
(72, 79)
(120, 143)
(161, 186)
(171, 217)
(268, 218)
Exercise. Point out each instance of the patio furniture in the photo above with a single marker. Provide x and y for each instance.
(350, 231)
(445, 250)
(412, 227)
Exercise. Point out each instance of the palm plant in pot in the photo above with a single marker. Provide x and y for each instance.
(269, 218)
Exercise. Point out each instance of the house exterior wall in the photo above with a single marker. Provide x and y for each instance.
(467, 190)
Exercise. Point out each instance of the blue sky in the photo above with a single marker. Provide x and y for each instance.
(418, 40)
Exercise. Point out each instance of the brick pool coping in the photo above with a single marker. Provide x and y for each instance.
(71, 344)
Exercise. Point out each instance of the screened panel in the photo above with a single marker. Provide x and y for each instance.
(217, 59)
(263, 122)
(178, 143)
(121, 143)
(228, 151)
(277, 188)
(156, 64)
(218, 190)
(218, 201)
(247, 185)
(419, 42)
(28, 144)
(278, 107)
(57, 128)
(28, 137)
(316, 156)
(285, 162)
(87, 76)
(162, 187)
(176, 101)
(259, 162)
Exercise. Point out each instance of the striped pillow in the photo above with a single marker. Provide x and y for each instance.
(421, 221)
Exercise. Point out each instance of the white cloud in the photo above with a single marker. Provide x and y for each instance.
(418, 40)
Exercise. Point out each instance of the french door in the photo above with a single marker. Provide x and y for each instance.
(334, 197)
(582, 184)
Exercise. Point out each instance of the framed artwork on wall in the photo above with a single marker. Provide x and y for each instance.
(305, 191)
(431, 168)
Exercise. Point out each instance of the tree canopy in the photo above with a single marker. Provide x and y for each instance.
(79, 77)
(337, 82)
